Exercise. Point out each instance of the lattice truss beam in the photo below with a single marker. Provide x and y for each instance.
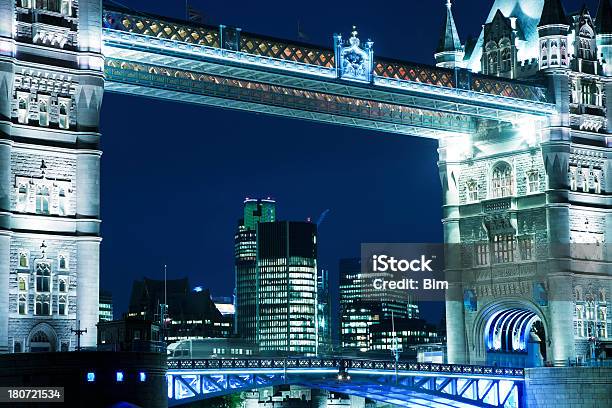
(185, 388)
(435, 391)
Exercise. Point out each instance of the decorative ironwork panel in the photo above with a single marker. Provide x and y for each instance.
(414, 72)
(509, 89)
(154, 27)
(274, 48)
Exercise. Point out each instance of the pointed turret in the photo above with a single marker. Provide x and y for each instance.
(553, 13)
(553, 30)
(449, 53)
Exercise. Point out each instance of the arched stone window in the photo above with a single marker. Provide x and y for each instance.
(66, 7)
(62, 306)
(501, 180)
(23, 284)
(492, 59)
(63, 286)
(64, 122)
(22, 110)
(472, 191)
(43, 305)
(506, 59)
(43, 277)
(533, 182)
(42, 200)
(23, 260)
(22, 305)
(43, 114)
(62, 262)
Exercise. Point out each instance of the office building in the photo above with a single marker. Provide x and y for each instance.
(106, 306)
(245, 256)
(286, 287)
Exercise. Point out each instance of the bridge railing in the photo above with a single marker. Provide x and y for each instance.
(234, 39)
(341, 364)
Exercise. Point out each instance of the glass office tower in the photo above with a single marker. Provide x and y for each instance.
(287, 287)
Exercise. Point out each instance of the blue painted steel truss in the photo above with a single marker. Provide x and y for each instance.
(431, 385)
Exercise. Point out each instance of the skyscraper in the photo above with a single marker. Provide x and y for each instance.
(361, 306)
(324, 312)
(245, 257)
(287, 287)
(106, 306)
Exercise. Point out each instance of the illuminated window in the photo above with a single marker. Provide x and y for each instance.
(533, 182)
(481, 253)
(42, 200)
(43, 114)
(43, 305)
(23, 284)
(22, 305)
(43, 277)
(503, 248)
(26, 3)
(501, 181)
(597, 184)
(24, 261)
(584, 180)
(22, 110)
(66, 7)
(573, 182)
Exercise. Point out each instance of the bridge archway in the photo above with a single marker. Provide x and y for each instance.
(42, 338)
(503, 330)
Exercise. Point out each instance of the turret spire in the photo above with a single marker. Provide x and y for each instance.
(449, 52)
(553, 13)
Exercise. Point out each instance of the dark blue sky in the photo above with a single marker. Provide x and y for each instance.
(174, 176)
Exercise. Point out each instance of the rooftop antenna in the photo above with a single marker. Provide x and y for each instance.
(78, 333)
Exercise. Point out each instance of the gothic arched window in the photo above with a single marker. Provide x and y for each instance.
(22, 305)
(472, 191)
(43, 305)
(23, 260)
(23, 284)
(43, 114)
(63, 287)
(66, 7)
(43, 277)
(63, 116)
(42, 200)
(62, 262)
(533, 182)
(506, 60)
(22, 197)
(501, 180)
(22, 110)
(62, 306)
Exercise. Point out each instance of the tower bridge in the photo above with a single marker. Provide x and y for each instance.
(523, 117)
(417, 384)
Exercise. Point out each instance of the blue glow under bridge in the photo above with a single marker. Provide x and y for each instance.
(402, 383)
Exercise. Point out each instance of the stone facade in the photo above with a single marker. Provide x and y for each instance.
(528, 204)
(51, 86)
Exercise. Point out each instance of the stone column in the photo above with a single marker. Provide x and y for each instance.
(5, 176)
(455, 318)
(88, 288)
(88, 184)
(5, 262)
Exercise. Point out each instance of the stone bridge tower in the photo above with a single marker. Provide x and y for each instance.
(527, 206)
(51, 86)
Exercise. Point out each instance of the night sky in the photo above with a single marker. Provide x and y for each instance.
(174, 176)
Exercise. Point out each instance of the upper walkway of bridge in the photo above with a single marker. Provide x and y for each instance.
(308, 58)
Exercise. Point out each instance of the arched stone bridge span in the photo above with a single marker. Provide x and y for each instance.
(417, 384)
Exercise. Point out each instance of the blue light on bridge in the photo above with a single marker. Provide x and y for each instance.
(119, 376)
(142, 376)
(91, 377)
